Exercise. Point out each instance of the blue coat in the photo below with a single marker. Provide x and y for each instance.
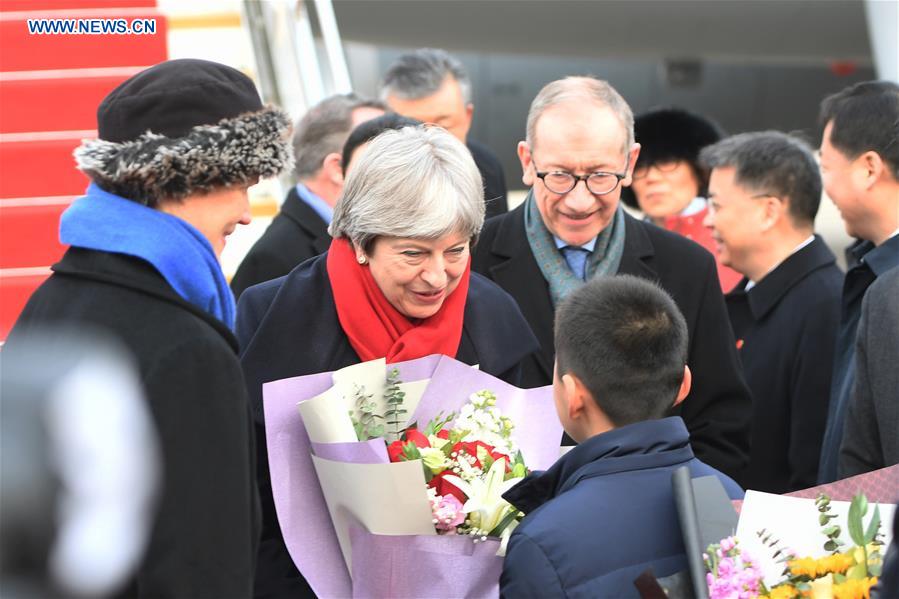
(288, 327)
(603, 514)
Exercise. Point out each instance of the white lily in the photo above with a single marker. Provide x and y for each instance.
(485, 504)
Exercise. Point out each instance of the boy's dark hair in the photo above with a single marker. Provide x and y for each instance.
(626, 340)
(865, 117)
(370, 129)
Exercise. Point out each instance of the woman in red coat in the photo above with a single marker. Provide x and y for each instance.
(669, 184)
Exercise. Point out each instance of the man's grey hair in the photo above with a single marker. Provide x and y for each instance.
(324, 129)
(580, 89)
(771, 162)
(419, 74)
(415, 182)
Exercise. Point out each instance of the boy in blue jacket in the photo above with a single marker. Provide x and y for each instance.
(605, 512)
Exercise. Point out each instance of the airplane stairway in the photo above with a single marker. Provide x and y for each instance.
(50, 86)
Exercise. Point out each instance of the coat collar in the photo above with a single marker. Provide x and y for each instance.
(638, 250)
(135, 274)
(306, 218)
(518, 273)
(776, 284)
(878, 258)
(648, 444)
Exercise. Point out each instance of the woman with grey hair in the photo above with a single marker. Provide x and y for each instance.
(396, 283)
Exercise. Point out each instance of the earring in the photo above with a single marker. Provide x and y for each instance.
(361, 259)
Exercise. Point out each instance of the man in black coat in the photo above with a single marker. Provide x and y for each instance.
(432, 86)
(765, 190)
(178, 145)
(860, 171)
(579, 150)
(300, 229)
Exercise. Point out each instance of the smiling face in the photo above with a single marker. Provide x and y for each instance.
(735, 217)
(665, 189)
(216, 214)
(417, 275)
(843, 183)
(580, 138)
(445, 107)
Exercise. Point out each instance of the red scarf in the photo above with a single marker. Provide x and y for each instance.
(378, 330)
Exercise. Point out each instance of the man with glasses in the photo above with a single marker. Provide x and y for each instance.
(579, 151)
(764, 193)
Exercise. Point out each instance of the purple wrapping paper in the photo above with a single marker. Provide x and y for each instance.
(302, 512)
(373, 451)
(423, 566)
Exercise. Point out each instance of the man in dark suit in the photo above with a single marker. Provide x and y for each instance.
(300, 230)
(764, 193)
(860, 170)
(431, 86)
(580, 130)
(870, 438)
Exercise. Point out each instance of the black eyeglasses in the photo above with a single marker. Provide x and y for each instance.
(598, 183)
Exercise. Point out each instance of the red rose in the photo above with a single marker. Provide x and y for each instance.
(413, 434)
(444, 487)
(443, 433)
(395, 451)
(471, 448)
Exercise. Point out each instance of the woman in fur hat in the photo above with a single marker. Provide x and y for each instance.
(396, 283)
(669, 184)
(179, 143)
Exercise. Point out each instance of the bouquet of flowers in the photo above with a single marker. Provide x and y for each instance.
(467, 468)
(841, 571)
(387, 472)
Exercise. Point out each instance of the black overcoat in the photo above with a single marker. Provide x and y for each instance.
(205, 534)
(289, 327)
(786, 327)
(296, 234)
(718, 409)
(494, 179)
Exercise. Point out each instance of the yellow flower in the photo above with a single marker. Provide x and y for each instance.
(783, 591)
(822, 588)
(813, 568)
(854, 589)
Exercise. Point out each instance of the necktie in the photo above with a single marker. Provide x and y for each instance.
(577, 260)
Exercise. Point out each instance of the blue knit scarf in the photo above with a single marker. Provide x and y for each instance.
(182, 255)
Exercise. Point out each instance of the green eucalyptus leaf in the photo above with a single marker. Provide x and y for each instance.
(873, 526)
(857, 509)
(831, 531)
(830, 546)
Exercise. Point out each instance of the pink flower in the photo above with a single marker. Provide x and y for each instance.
(448, 513)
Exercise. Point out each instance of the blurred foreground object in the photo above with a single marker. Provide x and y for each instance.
(79, 467)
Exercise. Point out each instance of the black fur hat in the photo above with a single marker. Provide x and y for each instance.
(666, 134)
(182, 127)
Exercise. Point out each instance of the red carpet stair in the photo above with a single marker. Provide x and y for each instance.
(50, 86)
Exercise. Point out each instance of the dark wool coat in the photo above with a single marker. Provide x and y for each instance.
(494, 179)
(867, 262)
(786, 328)
(296, 234)
(718, 409)
(871, 435)
(603, 514)
(289, 327)
(204, 538)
